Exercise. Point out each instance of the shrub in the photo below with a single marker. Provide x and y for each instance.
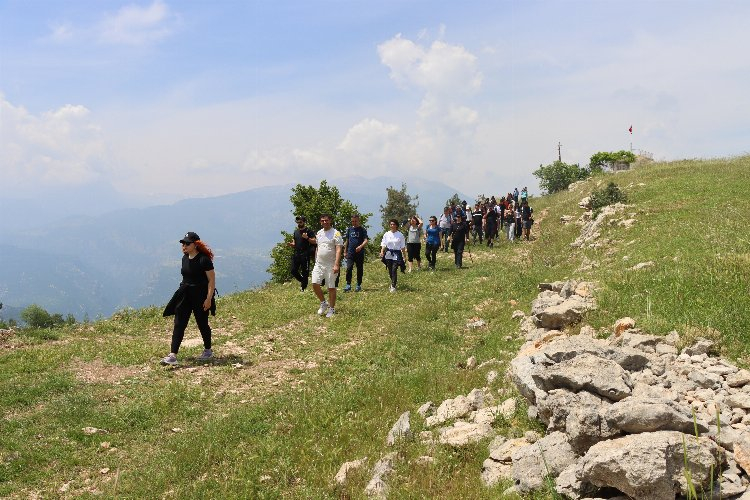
(607, 196)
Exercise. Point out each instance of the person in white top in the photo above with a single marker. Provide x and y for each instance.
(392, 249)
(327, 264)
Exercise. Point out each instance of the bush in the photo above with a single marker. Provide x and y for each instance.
(557, 176)
(607, 196)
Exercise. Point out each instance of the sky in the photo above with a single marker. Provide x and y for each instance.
(165, 99)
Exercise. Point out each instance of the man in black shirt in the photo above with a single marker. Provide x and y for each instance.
(459, 235)
(302, 251)
(356, 241)
(477, 217)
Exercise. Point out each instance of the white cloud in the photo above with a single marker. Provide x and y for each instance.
(61, 146)
(138, 25)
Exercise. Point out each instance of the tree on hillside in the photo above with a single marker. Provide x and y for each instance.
(311, 202)
(602, 159)
(399, 205)
(37, 317)
(453, 200)
(557, 176)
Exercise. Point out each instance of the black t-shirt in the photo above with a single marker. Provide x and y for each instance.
(491, 216)
(476, 218)
(302, 245)
(526, 212)
(459, 230)
(194, 270)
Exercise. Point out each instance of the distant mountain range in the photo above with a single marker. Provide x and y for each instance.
(92, 266)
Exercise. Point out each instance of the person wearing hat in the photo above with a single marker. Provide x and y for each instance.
(195, 295)
(459, 235)
(301, 242)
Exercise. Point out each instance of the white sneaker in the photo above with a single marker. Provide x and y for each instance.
(392, 289)
(331, 312)
(323, 307)
(170, 360)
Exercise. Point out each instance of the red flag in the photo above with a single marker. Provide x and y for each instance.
(630, 129)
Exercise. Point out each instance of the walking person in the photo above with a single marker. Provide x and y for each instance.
(414, 242)
(519, 226)
(302, 251)
(444, 222)
(392, 250)
(432, 242)
(356, 241)
(459, 235)
(491, 224)
(526, 219)
(477, 219)
(194, 296)
(510, 218)
(327, 264)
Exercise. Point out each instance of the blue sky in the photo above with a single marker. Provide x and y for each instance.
(165, 100)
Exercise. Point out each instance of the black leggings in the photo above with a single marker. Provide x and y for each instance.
(430, 251)
(192, 303)
(357, 258)
(458, 250)
(392, 271)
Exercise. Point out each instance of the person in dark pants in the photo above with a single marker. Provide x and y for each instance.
(195, 296)
(392, 251)
(302, 246)
(356, 241)
(491, 225)
(432, 242)
(459, 235)
(526, 219)
(477, 220)
(444, 222)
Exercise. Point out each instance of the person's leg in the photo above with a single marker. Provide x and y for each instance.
(181, 318)
(349, 269)
(201, 319)
(359, 260)
(296, 271)
(417, 252)
(332, 297)
(393, 272)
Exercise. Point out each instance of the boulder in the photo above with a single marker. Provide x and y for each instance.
(640, 414)
(463, 433)
(547, 457)
(562, 314)
(587, 372)
(650, 465)
(346, 469)
(449, 409)
(701, 346)
(377, 487)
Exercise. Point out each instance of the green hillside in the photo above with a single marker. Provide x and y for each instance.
(292, 396)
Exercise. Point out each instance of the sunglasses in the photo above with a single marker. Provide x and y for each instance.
(186, 243)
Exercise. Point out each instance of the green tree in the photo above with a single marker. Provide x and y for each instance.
(453, 200)
(605, 159)
(557, 176)
(311, 202)
(36, 317)
(399, 205)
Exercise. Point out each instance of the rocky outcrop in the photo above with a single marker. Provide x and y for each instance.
(632, 413)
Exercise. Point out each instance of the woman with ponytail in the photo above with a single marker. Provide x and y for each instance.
(195, 295)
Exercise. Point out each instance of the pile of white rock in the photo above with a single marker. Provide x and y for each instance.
(626, 416)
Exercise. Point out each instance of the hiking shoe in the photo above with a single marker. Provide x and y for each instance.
(206, 355)
(331, 312)
(170, 360)
(348, 288)
(323, 308)
(392, 289)
(358, 289)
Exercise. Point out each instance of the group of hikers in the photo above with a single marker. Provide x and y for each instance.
(458, 225)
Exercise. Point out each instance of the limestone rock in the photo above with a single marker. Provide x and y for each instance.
(638, 414)
(377, 487)
(548, 456)
(587, 372)
(701, 346)
(649, 465)
(347, 468)
(623, 324)
(463, 433)
(739, 379)
(449, 409)
(400, 430)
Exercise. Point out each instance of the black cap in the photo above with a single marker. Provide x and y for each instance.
(300, 218)
(190, 237)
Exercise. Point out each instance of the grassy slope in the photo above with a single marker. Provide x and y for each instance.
(292, 396)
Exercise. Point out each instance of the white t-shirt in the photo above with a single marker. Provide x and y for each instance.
(327, 243)
(393, 241)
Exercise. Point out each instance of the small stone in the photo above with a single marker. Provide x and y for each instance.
(623, 324)
(531, 437)
(491, 376)
(471, 363)
(426, 409)
(346, 468)
(104, 470)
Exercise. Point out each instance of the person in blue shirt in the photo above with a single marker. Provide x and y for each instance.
(356, 241)
(432, 242)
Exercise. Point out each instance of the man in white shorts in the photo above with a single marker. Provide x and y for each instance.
(327, 261)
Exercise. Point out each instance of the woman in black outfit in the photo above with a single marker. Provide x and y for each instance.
(195, 295)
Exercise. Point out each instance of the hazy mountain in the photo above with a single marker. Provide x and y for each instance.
(95, 265)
